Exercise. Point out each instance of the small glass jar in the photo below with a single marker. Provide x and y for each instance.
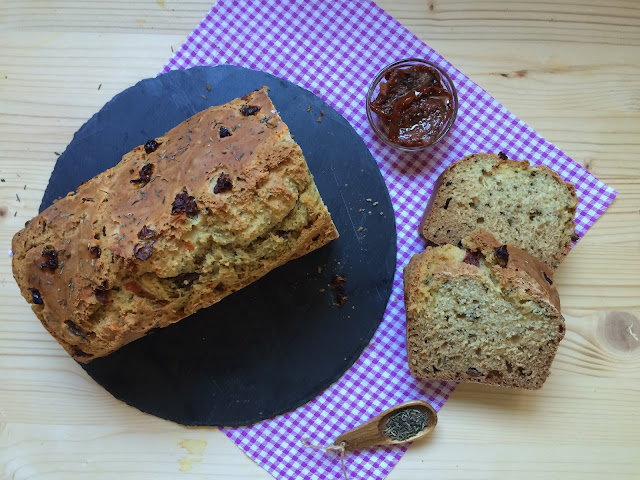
(380, 125)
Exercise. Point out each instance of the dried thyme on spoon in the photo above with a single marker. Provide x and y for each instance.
(405, 424)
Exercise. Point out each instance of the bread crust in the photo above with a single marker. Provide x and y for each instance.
(513, 271)
(228, 197)
(443, 222)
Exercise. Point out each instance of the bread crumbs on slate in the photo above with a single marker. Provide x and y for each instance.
(337, 285)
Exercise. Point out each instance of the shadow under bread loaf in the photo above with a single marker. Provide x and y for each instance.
(486, 313)
(530, 207)
(179, 224)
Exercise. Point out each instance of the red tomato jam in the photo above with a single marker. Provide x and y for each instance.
(414, 104)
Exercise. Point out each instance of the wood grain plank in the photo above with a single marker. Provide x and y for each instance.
(567, 68)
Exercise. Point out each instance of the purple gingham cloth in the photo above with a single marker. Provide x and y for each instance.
(334, 49)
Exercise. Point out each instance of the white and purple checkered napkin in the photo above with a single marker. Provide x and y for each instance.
(335, 49)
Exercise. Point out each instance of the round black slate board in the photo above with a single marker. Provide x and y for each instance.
(278, 343)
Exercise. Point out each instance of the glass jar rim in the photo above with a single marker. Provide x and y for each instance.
(448, 84)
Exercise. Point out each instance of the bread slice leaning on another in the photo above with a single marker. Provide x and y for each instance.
(486, 313)
(193, 216)
(530, 207)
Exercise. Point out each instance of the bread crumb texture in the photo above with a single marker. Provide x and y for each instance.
(529, 207)
(177, 225)
(477, 316)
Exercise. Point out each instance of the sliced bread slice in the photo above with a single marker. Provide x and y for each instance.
(486, 313)
(529, 207)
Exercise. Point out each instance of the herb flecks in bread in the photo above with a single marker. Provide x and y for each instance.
(522, 205)
(180, 223)
(483, 313)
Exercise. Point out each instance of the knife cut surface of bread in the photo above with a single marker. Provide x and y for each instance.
(530, 207)
(179, 224)
(486, 313)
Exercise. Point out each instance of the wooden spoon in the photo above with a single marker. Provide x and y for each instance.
(373, 432)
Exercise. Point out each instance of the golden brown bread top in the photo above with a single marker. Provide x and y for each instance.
(234, 165)
(509, 265)
(519, 267)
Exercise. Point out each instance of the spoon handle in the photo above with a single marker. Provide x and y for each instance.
(363, 436)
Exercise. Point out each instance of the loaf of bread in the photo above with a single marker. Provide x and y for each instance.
(529, 207)
(179, 224)
(486, 313)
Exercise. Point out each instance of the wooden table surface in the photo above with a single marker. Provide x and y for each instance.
(568, 68)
